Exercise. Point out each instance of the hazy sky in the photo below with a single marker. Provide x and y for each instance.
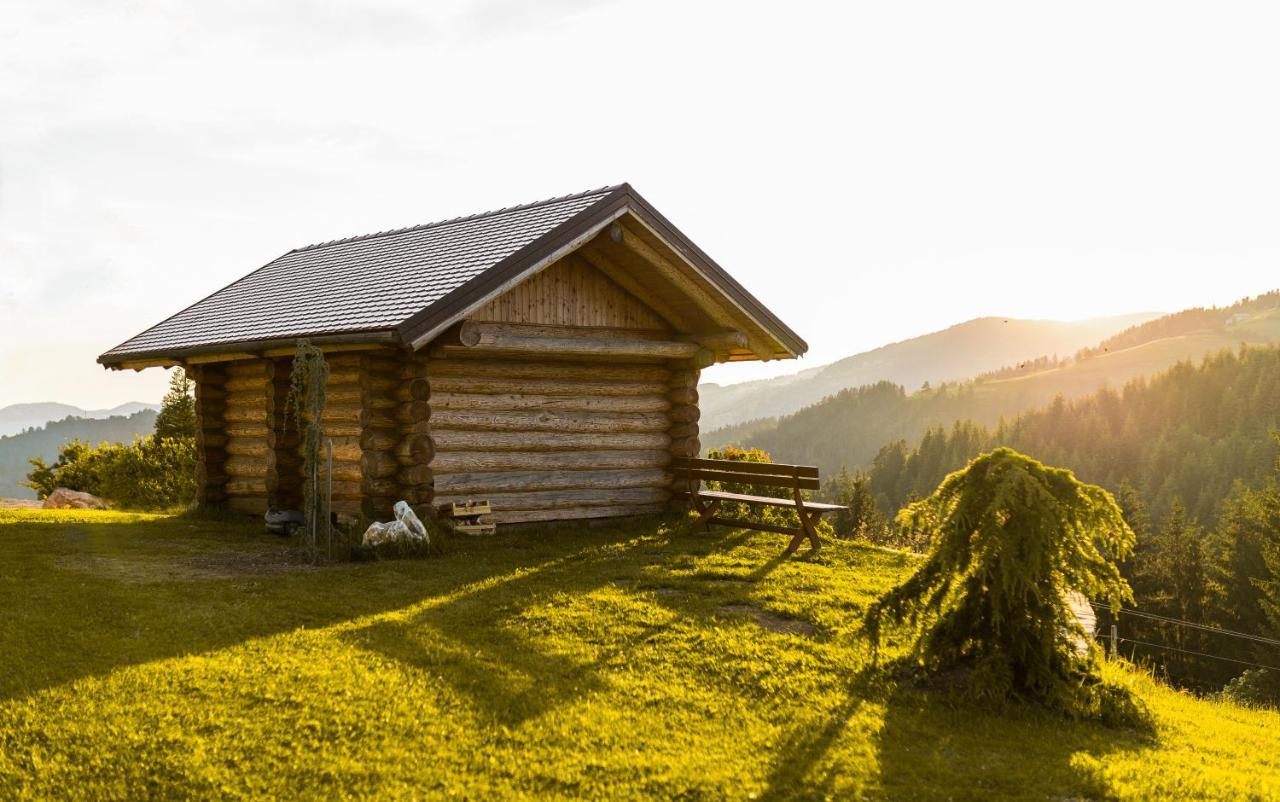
(871, 171)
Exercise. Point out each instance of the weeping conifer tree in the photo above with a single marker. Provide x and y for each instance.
(1009, 538)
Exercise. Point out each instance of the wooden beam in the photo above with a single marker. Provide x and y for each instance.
(332, 348)
(629, 283)
(674, 274)
(718, 341)
(503, 339)
(204, 359)
(143, 364)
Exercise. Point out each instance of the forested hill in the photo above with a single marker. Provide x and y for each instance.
(1188, 434)
(848, 428)
(43, 442)
(17, 418)
(958, 352)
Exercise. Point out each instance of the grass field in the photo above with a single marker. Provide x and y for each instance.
(160, 657)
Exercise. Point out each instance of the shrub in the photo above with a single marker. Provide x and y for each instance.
(1255, 687)
(149, 473)
(1009, 537)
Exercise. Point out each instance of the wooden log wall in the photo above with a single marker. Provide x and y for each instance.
(287, 438)
(249, 415)
(211, 436)
(550, 440)
(359, 418)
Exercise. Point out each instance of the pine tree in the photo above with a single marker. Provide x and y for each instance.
(177, 417)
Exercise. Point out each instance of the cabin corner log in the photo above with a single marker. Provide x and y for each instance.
(684, 415)
(211, 439)
(248, 407)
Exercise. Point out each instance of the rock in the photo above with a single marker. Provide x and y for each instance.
(67, 499)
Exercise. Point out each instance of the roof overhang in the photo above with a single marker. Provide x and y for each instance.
(626, 210)
(624, 224)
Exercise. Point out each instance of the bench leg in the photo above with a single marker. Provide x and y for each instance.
(705, 514)
(808, 523)
(796, 540)
(806, 527)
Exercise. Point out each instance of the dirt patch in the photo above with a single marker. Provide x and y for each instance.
(770, 621)
(152, 568)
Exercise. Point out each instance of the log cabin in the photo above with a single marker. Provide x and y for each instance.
(542, 357)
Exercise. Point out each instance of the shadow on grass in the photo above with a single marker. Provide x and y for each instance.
(477, 642)
(82, 599)
(932, 747)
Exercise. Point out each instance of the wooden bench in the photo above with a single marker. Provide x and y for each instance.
(795, 478)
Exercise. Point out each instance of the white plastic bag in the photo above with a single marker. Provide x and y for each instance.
(406, 526)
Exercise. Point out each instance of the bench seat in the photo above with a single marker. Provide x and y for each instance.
(796, 478)
(766, 501)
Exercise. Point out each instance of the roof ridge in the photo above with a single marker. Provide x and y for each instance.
(461, 219)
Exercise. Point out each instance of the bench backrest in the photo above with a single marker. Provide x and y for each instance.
(770, 474)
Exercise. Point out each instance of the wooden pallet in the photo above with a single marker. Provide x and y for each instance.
(466, 517)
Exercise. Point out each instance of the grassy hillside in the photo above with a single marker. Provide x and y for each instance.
(851, 426)
(17, 450)
(152, 657)
(959, 352)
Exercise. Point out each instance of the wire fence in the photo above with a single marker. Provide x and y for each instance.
(1192, 625)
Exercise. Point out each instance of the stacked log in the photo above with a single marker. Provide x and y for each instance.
(340, 423)
(413, 449)
(248, 415)
(683, 416)
(211, 439)
(286, 436)
(382, 419)
(543, 439)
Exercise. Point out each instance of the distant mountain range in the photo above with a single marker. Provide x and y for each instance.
(960, 352)
(849, 427)
(16, 418)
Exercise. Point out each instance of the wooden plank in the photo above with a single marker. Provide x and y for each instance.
(478, 461)
(465, 440)
(549, 403)
(560, 371)
(565, 499)
(521, 421)
(768, 501)
(566, 387)
(477, 484)
(569, 347)
(776, 468)
(735, 477)
(619, 511)
(570, 292)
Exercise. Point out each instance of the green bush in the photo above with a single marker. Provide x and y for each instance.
(149, 473)
(1256, 687)
(1009, 538)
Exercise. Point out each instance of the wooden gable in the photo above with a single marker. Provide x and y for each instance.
(570, 293)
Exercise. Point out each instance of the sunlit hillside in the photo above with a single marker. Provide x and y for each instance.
(849, 427)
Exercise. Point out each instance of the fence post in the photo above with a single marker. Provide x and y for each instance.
(1114, 653)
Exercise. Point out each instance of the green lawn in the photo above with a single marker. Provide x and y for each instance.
(155, 657)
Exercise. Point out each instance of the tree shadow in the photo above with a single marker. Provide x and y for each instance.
(85, 598)
(478, 641)
(932, 746)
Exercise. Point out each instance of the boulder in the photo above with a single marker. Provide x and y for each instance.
(66, 499)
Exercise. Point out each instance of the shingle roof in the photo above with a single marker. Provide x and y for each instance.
(368, 283)
(399, 286)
